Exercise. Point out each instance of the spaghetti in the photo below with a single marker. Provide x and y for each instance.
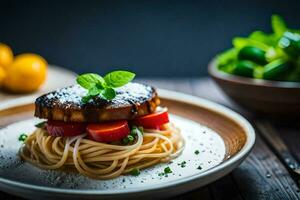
(100, 160)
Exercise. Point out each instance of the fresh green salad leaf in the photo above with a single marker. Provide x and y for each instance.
(268, 39)
(240, 42)
(261, 55)
(290, 43)
(103, 87)
(278, 25)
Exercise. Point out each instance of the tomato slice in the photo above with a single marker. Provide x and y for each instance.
(152, 121)
(108, 132)
(65, 129)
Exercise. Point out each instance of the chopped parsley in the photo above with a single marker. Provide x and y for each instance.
(135, 172)
(40, 125)
(161, 174)
(132, 135)
(182, 164)
(125, 140)
(167, 171)
(199, 167)
(197, 152)
(23, 137)
(130, 138)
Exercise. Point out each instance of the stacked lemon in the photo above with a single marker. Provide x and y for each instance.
(23, 73)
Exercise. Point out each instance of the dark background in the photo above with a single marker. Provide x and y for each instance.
(151, 38)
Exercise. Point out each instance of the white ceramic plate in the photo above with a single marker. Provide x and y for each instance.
(216, 157)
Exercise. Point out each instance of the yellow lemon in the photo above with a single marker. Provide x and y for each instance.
(26, 73)
(2, 75)
(6, 55)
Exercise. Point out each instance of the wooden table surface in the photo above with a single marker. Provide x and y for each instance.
(262, 175)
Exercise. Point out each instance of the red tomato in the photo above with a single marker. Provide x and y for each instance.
(152, 121)
(108, 132)
(65, 129)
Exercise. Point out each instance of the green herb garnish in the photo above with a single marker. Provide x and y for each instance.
(161, 174)
(197, 152)
(133, 133)
(130, 138)
(199, 167)
(167, 170)
(135, 172)
(103, 86)
(182, 164)
(23, 137)
(40, 125)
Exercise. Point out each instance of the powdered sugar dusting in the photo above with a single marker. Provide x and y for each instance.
(131, 93)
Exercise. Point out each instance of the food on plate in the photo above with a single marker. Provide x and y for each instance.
(271, 56)
(23, 74)
(102, 127)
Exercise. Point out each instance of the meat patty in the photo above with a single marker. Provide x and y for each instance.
(131, 101)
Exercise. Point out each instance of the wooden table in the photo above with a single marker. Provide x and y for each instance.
(262, 175)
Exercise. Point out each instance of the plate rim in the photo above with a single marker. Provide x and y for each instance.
(167, 94)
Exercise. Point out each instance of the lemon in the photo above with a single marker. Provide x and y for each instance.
(26, 73)
(2, 75)
(6, 55)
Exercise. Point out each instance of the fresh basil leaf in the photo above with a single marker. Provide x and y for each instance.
(89, 80)
(108, 93)
(278, 25)
(118, 78)
(86, 99)
(94, 91)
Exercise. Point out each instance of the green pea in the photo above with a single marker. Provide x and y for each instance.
(252, 53)
(276, 69)
(244, 68)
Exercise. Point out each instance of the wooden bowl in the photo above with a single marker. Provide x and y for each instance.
(272, 98)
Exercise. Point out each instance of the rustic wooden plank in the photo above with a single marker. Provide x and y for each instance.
(279, 147)
(224, 189)
(290, 133)
(202, 193)
(262, 176)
